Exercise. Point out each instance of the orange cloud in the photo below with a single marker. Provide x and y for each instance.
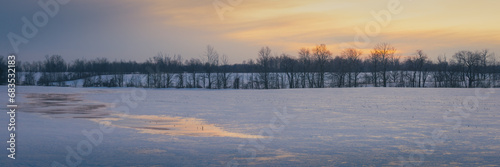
(288, 24)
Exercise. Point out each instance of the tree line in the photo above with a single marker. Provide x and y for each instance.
(311, 68)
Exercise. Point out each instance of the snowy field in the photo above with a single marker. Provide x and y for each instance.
(302, 127)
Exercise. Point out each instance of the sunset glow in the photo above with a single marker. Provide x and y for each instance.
(141, 29)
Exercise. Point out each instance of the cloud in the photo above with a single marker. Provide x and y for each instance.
(290, 24)
(126, 28)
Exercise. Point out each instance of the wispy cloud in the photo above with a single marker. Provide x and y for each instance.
(286, 26)
(289, 24)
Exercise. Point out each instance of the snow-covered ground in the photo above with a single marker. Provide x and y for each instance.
(290, 127)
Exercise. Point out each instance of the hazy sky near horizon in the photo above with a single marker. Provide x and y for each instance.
(137, 30)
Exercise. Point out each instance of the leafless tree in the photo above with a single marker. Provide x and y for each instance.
(469, 61)
(380, 56)
(396, 73)
(211, 63)
(30, 70)
(421, 66)
(289, 64)
(306, 66)
(224, 72)
(486, 59)
(353, 57)
(193, 66)
(264, 62)
(322, 55)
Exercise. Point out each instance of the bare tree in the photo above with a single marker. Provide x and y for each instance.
(212, 61)
(338, 70)
(289, 65)
(380, 54)
(440, 72)
(394, 62)
(322, 56)
(465, 69)
(306, 66)
(53, 71)
(485, 58)
(264, 62)
(374, 68)
(193, 66)
(353, 57)
(469, 61)
(177, 67)
(225, 74)
(421, 66)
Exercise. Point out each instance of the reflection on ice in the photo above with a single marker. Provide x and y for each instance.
(334, 127)
(74, 106)
(60, 105)
(167, 125)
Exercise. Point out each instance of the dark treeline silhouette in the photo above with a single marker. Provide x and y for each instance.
(311, 68)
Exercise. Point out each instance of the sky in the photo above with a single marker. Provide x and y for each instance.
(137, 30)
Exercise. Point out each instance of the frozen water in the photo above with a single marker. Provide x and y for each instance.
(289, 127)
